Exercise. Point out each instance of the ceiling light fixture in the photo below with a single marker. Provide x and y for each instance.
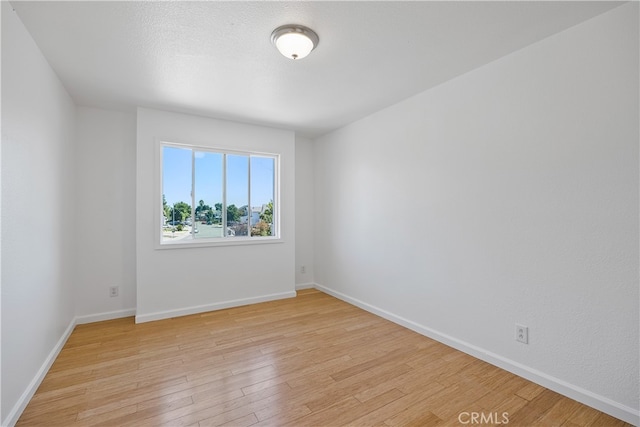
(294, 41)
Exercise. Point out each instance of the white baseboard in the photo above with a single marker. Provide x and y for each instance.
(109, 315)
(21, 404)
(301, 286)
(587, 397)
(149, 317)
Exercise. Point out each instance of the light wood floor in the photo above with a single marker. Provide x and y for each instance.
(310, 360)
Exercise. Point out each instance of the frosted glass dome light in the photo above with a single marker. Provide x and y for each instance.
(294, 41)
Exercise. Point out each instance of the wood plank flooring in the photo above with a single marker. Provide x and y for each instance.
(306, 361)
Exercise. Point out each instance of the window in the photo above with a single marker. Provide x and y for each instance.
(211, 195)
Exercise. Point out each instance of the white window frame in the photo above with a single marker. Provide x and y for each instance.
(225, 240)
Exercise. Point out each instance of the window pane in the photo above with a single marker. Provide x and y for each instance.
(237, 194)
(262, 185)
(176, 191)
(208, 195)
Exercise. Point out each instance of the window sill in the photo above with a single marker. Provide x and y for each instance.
(236, 241)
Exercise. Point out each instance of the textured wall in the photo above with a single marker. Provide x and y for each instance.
(305, 211)
(105, 202)
(181, 280)
(38, 212)
(507, 195)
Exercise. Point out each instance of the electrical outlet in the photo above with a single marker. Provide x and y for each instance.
(303, 269)
(113, 291)
(522, 334)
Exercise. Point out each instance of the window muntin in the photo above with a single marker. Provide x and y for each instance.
(211, 195)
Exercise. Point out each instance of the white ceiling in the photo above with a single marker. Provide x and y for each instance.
(216, 58)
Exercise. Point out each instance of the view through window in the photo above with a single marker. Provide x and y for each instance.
(217, 194)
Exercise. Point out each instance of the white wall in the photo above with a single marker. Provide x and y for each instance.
(38, 213)
(509, 194)
(305, 211)
(177, 281)
(105, 204)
